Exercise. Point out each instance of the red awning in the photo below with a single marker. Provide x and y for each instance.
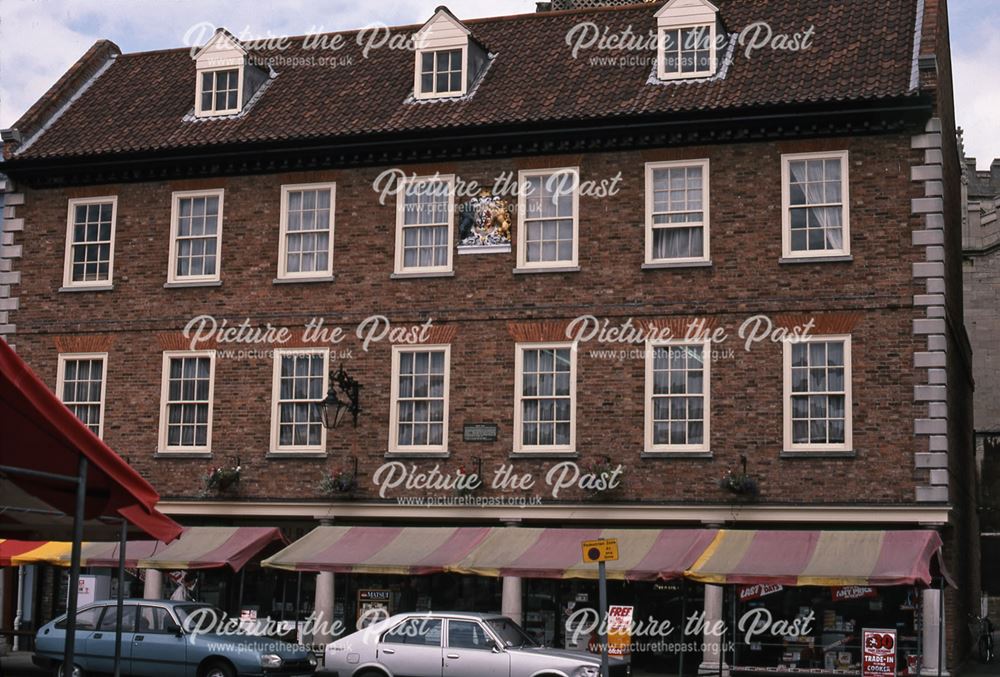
(41, 434)
(824, 558)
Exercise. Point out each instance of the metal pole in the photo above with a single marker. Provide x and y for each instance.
(680, 663)
(74, 569)
(602, 596)
(239, 602)
(298, 605)
(122, 539)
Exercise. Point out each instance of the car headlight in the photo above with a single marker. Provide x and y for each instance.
(312, 661)
(270, 660)
(588, 671)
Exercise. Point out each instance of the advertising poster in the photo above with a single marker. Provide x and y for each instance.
(619, 629)
(878, 653)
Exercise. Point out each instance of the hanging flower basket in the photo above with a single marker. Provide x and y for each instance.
(739, 484)
(222, 480)
(604, 468)
(338, 483)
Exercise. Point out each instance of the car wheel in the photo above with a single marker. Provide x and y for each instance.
(217, 669)
(76, 672)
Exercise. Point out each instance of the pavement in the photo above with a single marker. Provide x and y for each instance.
(18, 664)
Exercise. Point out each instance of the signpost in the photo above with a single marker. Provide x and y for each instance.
(601, 551)
(878, 653)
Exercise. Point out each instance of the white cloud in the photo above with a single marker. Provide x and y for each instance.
(977, 97)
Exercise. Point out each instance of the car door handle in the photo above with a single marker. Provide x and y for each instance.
(453, 656)
(388, 651)
(97, 635)
(139, 638)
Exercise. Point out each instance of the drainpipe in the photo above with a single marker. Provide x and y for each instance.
(20, 607)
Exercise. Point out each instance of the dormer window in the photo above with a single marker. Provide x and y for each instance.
(687, 33)
(448, 58)
(226, 80)
(219, 92)
(441, 72)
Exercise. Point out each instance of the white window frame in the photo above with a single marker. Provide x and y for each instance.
(399, 268)
(70, 222)
(199, 90)
(417, 450)
(848, 444)
(175, 199)
(61, 381)
(275, 400)
(522, 234)
(661, 55)
(283, 273)
(418, 92)
(162, 446)
(519, 447)
(651, 167)
(845, 196)
(706, 445)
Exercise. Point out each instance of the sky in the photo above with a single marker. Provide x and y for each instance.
(40, 39)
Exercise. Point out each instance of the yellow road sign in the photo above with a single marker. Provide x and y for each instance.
(602, 550)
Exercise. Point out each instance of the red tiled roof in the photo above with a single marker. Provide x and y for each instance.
(861, 51)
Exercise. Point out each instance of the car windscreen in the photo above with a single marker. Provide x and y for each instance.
(510, 632)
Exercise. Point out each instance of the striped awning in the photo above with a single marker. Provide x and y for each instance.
(97, 554)
(197, 548)
(646, 554)
(823, 558)
(10, 548)
(379, 550)
(213, 548)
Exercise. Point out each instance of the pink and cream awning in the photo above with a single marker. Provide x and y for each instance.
(646, 554)
(823, 558)
(196, 548)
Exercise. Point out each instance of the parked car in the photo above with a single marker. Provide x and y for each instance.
(455, 644)
(156, 643)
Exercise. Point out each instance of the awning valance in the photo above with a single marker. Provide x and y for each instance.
(822, 558)
(646, 554)
(212, 548)
(197, 548)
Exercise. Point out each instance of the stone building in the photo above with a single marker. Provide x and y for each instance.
(981, 273)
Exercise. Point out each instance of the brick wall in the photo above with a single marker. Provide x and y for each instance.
(140, 318)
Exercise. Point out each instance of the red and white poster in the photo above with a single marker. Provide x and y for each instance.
(878, 653)
(758, 590)
(619, 630)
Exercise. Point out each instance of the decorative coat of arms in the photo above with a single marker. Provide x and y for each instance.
(484, 221)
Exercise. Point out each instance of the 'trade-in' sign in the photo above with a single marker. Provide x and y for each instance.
(602, 550)
(878, 653)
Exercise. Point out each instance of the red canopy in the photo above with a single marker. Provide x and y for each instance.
(41, 434)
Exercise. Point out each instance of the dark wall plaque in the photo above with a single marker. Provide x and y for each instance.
(480, 432)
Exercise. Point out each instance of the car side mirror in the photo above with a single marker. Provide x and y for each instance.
(175, 630)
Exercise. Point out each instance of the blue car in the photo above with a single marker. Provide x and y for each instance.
(156, 642)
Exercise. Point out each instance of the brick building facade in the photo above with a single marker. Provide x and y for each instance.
(894, 288)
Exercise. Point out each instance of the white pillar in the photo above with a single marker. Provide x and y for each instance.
(153, 586)
(510, 601)
(712, 654)
(934, 634)
(323, 609)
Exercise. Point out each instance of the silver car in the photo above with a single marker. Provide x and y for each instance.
(454, 644)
